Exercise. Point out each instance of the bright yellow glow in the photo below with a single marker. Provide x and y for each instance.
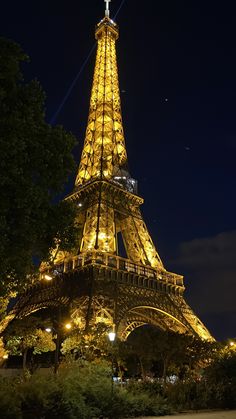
(139, 244)
(232, 343)
(200, 329)
(102, 319)
(102, 236)
(111, 336)
(48, 329)
(5, 356)
(110, 209)
(105, 240)
(161, 311)
(68, 326)
(104, 146)
(48, 277)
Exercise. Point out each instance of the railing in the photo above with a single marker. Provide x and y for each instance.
(116, 262)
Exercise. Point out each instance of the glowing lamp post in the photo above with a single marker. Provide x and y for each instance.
(112, 337)
(68, 326)
(47, 277)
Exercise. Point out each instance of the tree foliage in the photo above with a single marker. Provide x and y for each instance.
(36, 160)
(206, 372)
(3, 306)
(220, 377)
(90, 345)
(25, 334)
(80, 390)
(175, 353)
(3, 351)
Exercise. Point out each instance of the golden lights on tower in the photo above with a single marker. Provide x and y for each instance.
(104, 149)
(108, 210)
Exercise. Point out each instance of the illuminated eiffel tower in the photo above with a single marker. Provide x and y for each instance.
(95, 281)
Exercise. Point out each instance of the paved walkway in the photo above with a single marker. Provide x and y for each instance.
(225, 414)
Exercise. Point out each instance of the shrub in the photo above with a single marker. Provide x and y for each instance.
(10, 406)
(152, 388)
(80, 390)
(143, 404)
(46, 397)
(187, 395)
(93, 381)
(221, 381)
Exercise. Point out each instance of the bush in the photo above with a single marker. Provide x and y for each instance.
(44, 398)
(201, 395)
(80, 390)
(143, 404)
(187, 395)
(146, 398)
(92, 381)
(152, 388)
(221, 382)
(10, 406)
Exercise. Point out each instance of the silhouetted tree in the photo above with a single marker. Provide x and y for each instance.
(35, 162)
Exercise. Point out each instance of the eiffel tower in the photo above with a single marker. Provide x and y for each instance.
(95, 281)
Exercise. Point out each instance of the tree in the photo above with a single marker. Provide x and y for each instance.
(35, 162)
(220, 379)
(25, 334)
(140, 345)
(175, 353)
(3, 307)
(90, 345)
(3, 351)
(199, 354)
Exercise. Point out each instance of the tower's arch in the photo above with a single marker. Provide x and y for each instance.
(145, 314)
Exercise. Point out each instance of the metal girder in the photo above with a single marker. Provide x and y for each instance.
(104, 149)
(107, 210)
(99, 294)
(94, 280)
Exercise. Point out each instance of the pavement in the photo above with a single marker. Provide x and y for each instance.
(225, 414)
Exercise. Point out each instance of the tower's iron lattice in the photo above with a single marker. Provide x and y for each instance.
(94, 280)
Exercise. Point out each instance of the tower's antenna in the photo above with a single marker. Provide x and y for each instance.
(107, 11)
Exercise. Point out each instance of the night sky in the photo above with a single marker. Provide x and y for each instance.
(177, 72)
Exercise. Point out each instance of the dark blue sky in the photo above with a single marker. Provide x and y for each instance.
(177, 70)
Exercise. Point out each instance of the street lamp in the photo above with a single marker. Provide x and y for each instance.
(112, 337)
(47, 277)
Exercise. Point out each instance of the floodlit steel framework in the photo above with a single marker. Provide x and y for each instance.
(94, 280)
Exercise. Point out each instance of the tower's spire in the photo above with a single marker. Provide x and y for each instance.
(107, 11)
(104, 154)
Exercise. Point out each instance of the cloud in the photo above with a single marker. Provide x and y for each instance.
(218, 252)
(209, 267)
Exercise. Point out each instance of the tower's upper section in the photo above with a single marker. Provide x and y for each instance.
(104, 154)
